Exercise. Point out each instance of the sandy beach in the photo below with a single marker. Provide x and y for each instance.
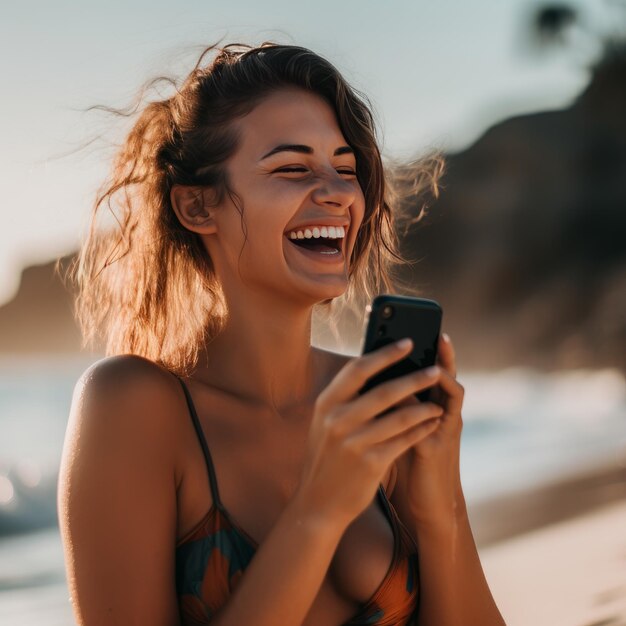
(567, 574)
(557, 556)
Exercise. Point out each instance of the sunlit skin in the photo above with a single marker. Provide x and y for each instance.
(271, 300)
(264, 356)
(125, 447)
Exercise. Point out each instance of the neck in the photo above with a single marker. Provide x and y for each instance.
(264, 356)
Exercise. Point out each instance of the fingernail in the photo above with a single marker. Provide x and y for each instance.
(446, 337)
(431, 371)
(403, 344)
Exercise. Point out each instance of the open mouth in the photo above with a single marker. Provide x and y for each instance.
(321, 249)
(328, 246)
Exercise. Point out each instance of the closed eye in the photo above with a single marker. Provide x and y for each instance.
(303, 169)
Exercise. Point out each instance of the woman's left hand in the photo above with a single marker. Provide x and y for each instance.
(433, 481)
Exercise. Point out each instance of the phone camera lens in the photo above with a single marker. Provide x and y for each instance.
(387, 311)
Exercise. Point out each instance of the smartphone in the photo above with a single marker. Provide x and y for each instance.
(392, 318)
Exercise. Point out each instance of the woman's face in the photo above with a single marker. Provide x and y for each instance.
(293, 170)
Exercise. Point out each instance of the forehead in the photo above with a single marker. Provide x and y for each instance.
(292, 116)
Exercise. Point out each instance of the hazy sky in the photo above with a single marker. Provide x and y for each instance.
(437, 72)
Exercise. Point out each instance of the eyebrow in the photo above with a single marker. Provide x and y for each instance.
(287, 147)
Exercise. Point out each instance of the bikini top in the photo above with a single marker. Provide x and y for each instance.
(212, 557)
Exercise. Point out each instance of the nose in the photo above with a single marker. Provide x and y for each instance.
(334, 190)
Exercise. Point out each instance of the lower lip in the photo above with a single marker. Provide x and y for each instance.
(328, 259)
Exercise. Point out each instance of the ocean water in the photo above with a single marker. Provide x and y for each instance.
(521, 429)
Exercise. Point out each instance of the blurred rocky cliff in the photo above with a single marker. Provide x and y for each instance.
(39, 318)
(525, 248)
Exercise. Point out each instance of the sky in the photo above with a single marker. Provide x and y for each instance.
(438, 75)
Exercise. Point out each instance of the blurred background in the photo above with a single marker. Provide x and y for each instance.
(524, 248)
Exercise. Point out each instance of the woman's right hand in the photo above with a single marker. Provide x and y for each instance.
(348, 450)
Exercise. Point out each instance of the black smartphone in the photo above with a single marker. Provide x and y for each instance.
(392, 318)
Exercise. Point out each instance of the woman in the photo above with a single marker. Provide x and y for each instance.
(219, 469)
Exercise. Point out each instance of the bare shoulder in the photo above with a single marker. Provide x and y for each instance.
(128, 397)
(128, 387)
(117, 492)
(125, 373)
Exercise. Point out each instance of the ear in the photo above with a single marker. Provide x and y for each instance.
(190, 205)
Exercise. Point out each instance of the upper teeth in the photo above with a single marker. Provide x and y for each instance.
(332, 232)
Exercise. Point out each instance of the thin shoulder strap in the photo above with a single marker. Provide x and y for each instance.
(382, 496)
(205, 448)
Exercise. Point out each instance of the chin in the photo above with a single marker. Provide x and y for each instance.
(313, 299)
(325, 294)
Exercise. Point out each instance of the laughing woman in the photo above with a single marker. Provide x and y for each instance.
(218, 468)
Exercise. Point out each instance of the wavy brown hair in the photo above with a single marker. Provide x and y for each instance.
(148, 285)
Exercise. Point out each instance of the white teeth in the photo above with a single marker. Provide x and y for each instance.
(332, 232)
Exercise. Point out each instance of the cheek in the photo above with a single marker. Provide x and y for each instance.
(265, 223)
(278, 197)
(267, 209)
(271, 210)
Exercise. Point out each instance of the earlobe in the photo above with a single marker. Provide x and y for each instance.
(189, 204)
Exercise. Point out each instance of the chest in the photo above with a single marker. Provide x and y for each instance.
(257, 470)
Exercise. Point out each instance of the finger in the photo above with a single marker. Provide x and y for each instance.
(446, 356)
(452, 389)
(395, 423)
(355, 373)
(385, 396)
(398, 445)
